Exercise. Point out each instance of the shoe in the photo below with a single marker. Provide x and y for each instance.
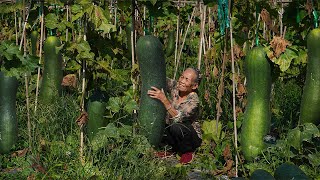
(186, 158)
(163, 154)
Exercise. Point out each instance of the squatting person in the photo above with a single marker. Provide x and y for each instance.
(183, 131)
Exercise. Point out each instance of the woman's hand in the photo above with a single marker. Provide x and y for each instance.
(157, 94)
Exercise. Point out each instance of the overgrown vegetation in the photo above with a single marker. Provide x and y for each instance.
(96, 48)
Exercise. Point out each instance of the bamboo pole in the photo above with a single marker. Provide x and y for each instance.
(83, 92)
(234, 98)
(202, 14)
(144, 19)
(177, 39)
(16, 27)
(40, 55)
(201, 45)
(67, 30)
(24, 41)
(184, 39)
(209, 25)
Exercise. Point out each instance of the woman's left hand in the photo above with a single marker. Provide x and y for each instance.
(157, 94)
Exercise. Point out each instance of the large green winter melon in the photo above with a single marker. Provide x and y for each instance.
(153, 73)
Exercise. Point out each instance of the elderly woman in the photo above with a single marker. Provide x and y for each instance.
(183, 110)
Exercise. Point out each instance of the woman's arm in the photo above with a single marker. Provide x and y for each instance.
(160, 95)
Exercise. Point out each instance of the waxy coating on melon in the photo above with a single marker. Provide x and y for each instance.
(310, 104)
(8, 117)
(152, 112)
(257, 116)
(52, 73)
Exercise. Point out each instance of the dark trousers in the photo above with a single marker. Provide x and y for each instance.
(182, 137)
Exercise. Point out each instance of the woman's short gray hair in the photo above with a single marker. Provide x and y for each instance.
(198, 75)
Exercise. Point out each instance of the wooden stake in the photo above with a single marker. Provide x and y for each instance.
(24, 40)
(184, 39)
(40, 55)
(67, 30)
(234, 99)
(177, 39)
(202, 12)
(16, 27)
(209, 25)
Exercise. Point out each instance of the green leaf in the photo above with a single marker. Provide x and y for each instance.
(294, 137)
(314, 159)
(302, 57)
(76, 8)
(106, 28)
(51, 21)
(285, 59)
(309, 130)
(211, 132)
(102, 137)
(130, 106)
(83, 46)
(125, 130)
(115, 104)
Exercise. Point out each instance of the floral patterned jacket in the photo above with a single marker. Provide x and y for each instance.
(188, 110)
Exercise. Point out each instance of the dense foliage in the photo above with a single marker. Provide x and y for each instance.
(96, 49)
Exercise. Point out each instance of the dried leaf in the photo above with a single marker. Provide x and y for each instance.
(82, 119)
(265, 16)
(20, 153)
(70, 80)
(308, 7)
(207, 95)
(279, 45)
(227, 153)
(238, 110)
(215, 72)
(39, 168)
(31, 177)
(12, 170)
(241, 90)
(237, 52)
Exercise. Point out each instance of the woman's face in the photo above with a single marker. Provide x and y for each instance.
(186, 82)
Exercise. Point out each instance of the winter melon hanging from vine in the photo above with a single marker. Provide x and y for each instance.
(257, 116)
(153, 73)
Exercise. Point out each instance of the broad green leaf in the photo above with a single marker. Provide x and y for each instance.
(100, 140)
(83, 46)
(294, 137)
(115, 104)
(314, 159)
(125, 130)
(51, 21)
(85, 55)
(302, 57)
(106, 28)
(285, 59)
(76, 8)
(130, 106)
(309, 130)
(211, 132)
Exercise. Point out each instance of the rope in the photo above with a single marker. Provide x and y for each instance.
(223, 15)
(257, 25)
(315, 16)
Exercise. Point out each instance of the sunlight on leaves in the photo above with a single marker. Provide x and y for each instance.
(210, 131)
